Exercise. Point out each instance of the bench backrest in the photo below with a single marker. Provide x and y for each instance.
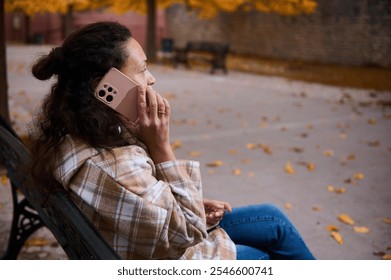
(204, 46)
(73, 231)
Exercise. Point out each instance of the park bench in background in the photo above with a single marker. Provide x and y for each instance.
(210, 52)
(32, 210)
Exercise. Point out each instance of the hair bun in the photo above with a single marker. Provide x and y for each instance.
(57, 58)
(49, 65)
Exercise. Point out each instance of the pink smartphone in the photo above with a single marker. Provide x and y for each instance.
(119, 92)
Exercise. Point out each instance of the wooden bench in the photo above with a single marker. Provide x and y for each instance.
(32, 210)
(210, 52)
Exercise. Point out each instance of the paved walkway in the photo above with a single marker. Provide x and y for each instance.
(315, 151)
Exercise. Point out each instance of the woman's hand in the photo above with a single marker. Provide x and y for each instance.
(215, 210)
(153, 126)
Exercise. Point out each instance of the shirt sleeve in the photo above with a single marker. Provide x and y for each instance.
(146, 211)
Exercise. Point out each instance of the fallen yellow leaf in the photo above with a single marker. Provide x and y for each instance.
(251, 146)
(332, 228)
(343, 135)
(310, 166)
(387, 221)
(216, 163)
(297, 149)
(251, 174)
(316, 208)
(337, 237)
(289, 168)
(348, 181)
(351, 157)
(374, 143)
(288, 206)
(4, 180)
(36, 242)
(345, 218)
(372, 121)
(361, 229)
(328, 153)
(192, 122)
(358, 176)
(236, 171)
(387, 257)
(331, 188)
(263, 124)
(233, 152)
(177, 144)
(194, 154)
(266, 149)
(340, 190)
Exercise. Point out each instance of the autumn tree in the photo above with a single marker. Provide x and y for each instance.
(64, 7)
(3, 69)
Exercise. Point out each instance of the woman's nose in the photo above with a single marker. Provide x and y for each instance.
(151, 79)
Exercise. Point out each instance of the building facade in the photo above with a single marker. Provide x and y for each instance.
(49, 28)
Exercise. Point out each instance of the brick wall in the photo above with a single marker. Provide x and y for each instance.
(348, 32)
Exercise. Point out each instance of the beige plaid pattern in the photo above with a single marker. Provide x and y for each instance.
(145, 211)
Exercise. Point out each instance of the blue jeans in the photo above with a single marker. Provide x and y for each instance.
(263, 232)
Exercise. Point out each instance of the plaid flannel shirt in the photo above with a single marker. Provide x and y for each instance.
(145, 211)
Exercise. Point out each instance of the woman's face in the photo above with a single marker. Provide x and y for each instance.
(136, 65)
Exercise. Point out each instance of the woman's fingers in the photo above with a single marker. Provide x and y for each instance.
(142, 103)
(161, 110)
(152, 102)
(209, 203)
(152, 105)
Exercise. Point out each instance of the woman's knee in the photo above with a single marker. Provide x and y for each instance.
(269, 209)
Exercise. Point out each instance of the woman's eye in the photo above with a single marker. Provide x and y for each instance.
(144, 71)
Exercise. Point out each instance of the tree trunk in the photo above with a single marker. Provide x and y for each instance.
(4, 112)
(151, 30)
(27, 37)
(68, 21)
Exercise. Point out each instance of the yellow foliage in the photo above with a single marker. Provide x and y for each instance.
(31, 7)
(205, 9)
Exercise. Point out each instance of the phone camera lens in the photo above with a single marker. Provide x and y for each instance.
(110, 89)
(101, 93)
(109, 98)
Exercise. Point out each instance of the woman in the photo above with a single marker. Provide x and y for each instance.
(125, 177)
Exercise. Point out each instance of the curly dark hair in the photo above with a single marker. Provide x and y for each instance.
(70, 107)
